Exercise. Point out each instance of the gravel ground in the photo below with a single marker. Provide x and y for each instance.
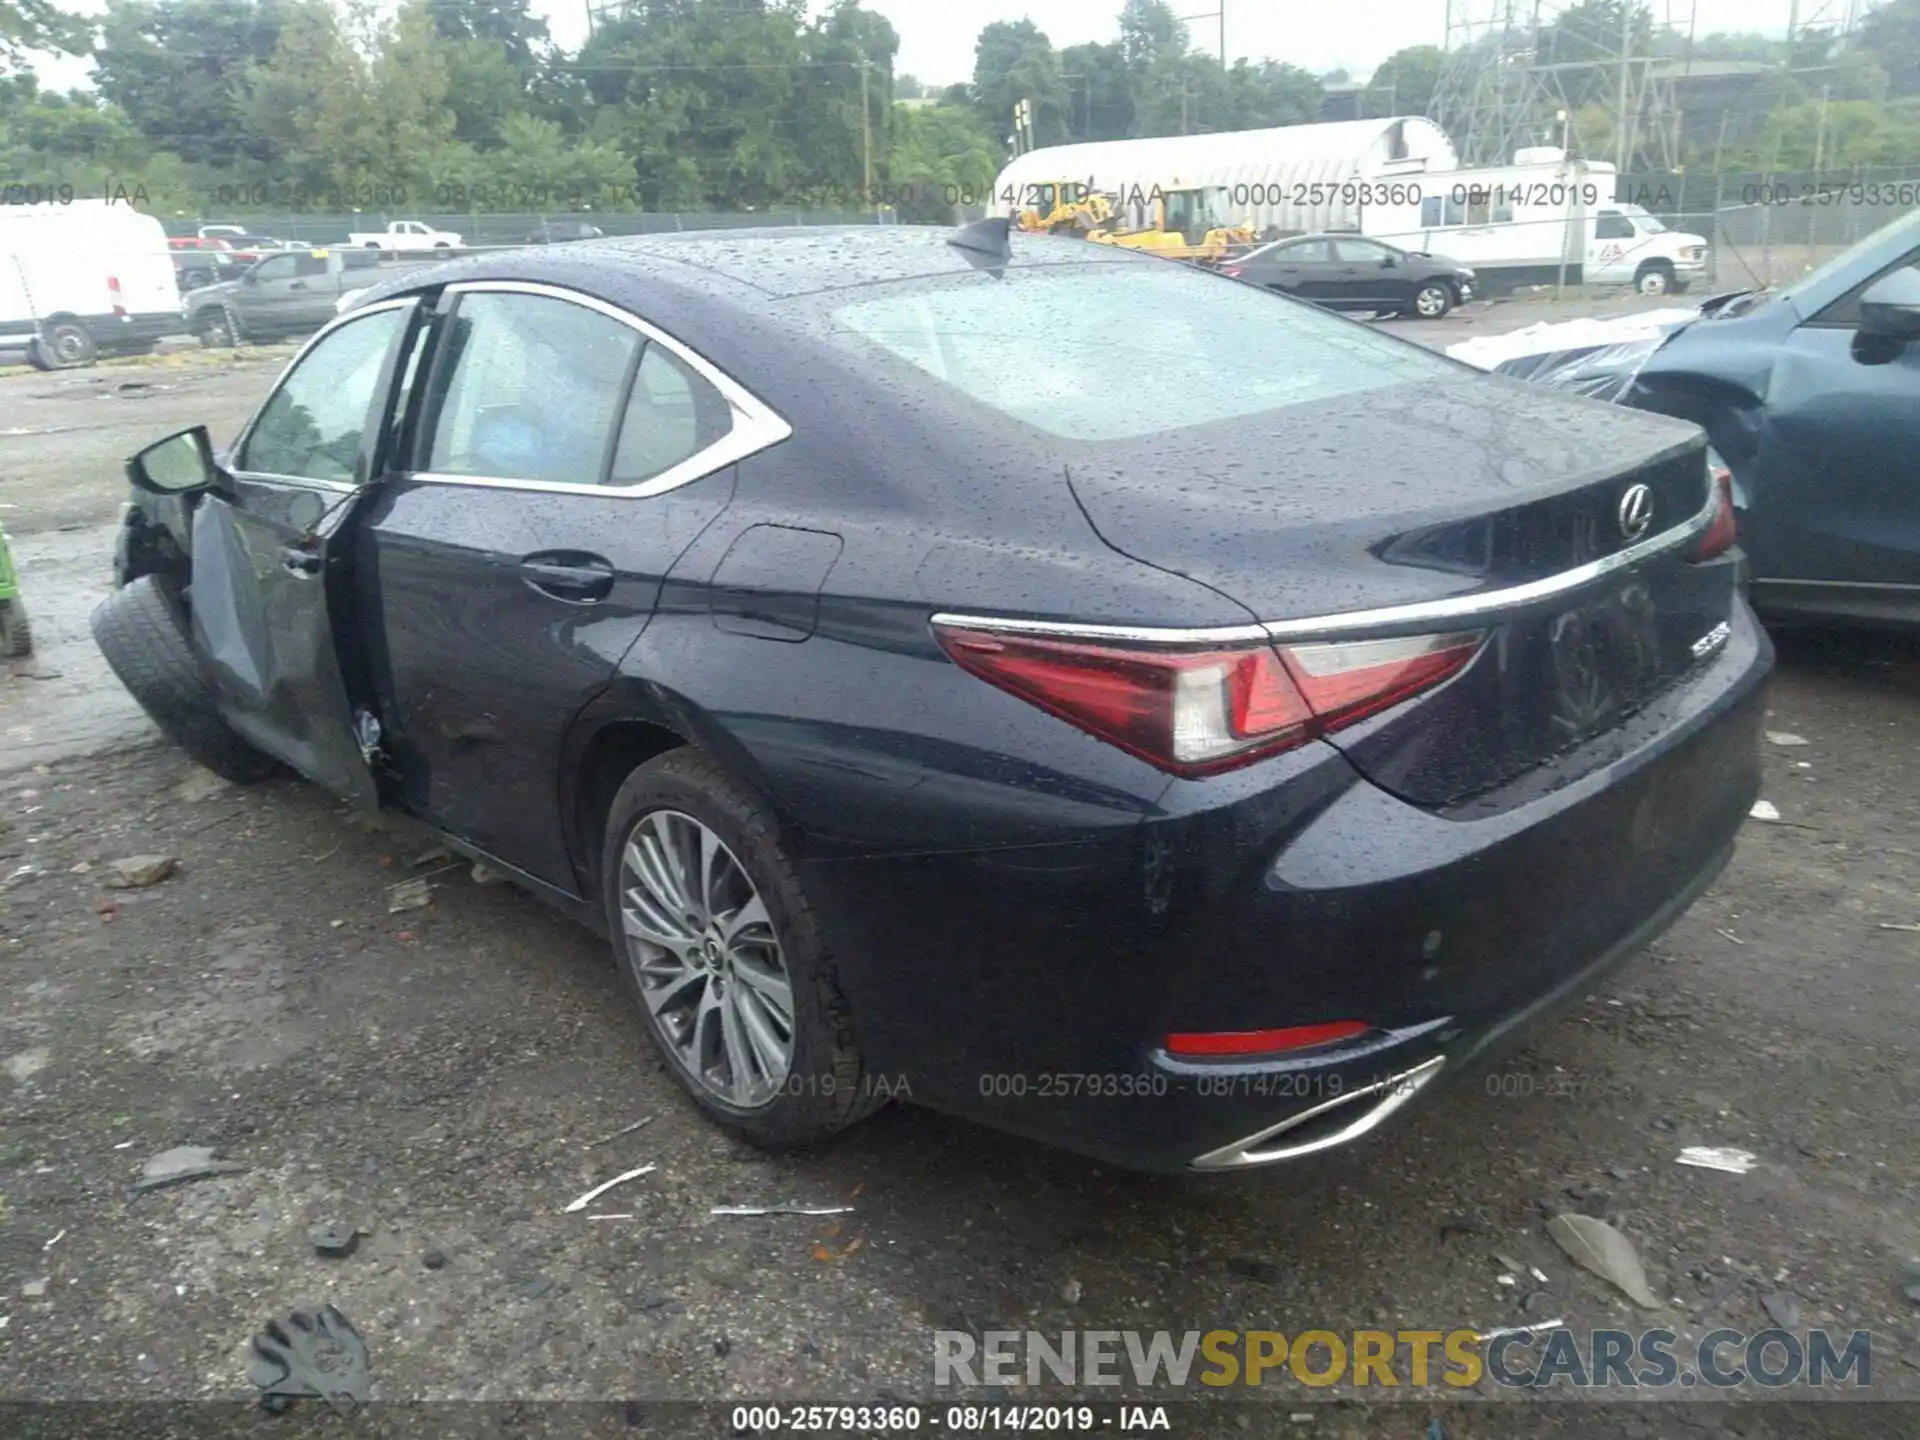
(443, 1078)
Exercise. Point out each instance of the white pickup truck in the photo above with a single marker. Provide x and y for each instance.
(405, 235)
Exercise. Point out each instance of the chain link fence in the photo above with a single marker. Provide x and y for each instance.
(1768, 228)
(478, 231)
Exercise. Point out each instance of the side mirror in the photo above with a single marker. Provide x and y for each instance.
(1890, 309)
(178, 465)
(1387, 262)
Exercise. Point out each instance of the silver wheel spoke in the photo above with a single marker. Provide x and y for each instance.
(645, 918)
(670, 984)
(749, 925)
(769, 987)
(769, 1047)
(739, 1072)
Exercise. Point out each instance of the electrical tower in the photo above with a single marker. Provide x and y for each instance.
(1501, 89)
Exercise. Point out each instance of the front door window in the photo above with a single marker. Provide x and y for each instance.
(312, 427)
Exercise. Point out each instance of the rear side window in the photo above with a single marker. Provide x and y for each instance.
(531, 390)
(671, 416)
(1162, 347)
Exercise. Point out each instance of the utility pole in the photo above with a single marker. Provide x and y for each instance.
(866, 125)
(1620, 113)
(1820, 135)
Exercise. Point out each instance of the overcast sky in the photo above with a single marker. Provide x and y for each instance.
(936, 36)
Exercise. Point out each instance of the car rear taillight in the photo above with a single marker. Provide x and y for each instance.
(1198, 712)
(117, 298)
(1265, 1042)
(1725, 528)
(1233, 270)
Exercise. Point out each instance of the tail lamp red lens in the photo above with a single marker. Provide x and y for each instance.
(1233, 270)
(1264, 1042)
(1197, 712)
(1725, 528)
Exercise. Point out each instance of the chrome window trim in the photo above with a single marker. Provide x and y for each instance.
(756, 425)
(1349, 622)
(240, 441)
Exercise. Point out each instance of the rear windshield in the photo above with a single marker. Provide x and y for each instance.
(1112, 352)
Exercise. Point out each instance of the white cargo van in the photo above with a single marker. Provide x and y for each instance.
(1519, 224)
(83, 279)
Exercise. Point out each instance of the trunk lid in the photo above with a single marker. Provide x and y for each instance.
(1438, 492)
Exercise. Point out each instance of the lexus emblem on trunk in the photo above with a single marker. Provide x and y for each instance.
(1636, 511)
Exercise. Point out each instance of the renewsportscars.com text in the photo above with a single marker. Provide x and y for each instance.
(1535, 1357)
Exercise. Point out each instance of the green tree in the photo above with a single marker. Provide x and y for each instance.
(172, 68)
(1890, 33)
(1099, 91)
(1849, 133)
(702, 96)
(1405, 82)
(1592, 36)
(938, 152)
(355, 104)
(1014, 61)
(849, 61)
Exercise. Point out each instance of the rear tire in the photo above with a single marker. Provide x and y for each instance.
(16, 633)
(142, 630)
(825, 1087)
(65, 345)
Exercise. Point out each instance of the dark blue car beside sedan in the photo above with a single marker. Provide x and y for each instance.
(1185, 747)
(1811, 394)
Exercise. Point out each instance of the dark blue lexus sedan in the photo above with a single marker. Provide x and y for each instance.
(1061, 687)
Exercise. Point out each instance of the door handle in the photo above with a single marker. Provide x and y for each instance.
(300, 562)
(582, 579)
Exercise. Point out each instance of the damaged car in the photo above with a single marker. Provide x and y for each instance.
(1190, 774)
(1810, 392)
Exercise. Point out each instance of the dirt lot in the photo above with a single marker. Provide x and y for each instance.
(440, 1078)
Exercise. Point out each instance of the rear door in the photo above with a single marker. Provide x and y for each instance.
(563, 454)
(268, 570)
(1298, 268)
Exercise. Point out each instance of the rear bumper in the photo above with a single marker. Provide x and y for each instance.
(1032, 988)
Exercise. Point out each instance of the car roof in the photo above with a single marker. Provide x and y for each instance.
(788, 261)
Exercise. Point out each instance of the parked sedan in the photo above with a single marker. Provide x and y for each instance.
(1349, 272)
(1188, 773)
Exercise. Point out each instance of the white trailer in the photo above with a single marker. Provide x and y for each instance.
(1288, 180)
(1537, 221)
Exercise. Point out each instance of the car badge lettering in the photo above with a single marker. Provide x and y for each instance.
(1636, 511)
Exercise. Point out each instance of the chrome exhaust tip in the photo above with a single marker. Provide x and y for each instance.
(1323, 1126)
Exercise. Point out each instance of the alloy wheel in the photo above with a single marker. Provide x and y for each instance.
(706, 959)
(1431, 302)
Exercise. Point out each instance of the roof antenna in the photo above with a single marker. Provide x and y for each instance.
(985, 244)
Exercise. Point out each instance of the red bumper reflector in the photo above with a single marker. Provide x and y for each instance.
(1265, 1042)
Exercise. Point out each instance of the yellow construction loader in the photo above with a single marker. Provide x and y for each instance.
(1178, 222)
(1064, 207)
